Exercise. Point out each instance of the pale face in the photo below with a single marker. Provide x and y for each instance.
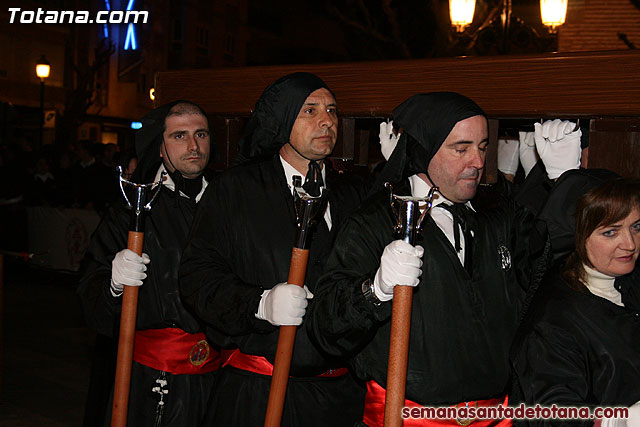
(315, 129)
(458, 164)
(613, 249)
(186, 144)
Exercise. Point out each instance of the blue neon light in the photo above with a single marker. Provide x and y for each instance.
(130, 39)
(105, 27)
(136, 125)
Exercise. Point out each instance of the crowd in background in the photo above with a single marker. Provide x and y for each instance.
(82, 175)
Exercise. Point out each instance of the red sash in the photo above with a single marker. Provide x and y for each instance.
(260, 365)
(176, 351)
(374, 411)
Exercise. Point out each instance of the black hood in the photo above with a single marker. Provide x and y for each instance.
(558, 214)
(275, 112)
(426, 120)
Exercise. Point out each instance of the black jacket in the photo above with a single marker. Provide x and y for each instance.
(462, 326)
(241, 244)
(578, 349)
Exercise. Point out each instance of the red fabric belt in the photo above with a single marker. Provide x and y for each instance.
(176, 351)
(374, 411)
(260, 365)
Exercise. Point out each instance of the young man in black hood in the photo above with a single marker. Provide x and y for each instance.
(235, 266)
(472, 272)
(173, 364)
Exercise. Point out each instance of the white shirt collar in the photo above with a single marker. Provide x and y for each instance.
(168, 182)
(290, 171)
(421, 188)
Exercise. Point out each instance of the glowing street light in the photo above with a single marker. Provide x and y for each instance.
(43, 68)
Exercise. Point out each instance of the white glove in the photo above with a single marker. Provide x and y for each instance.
(558, 146)
(632, 421)
(634, 415)
(128, 268)
(528, 158)
(400, 264)
(284, 304)
(508, 156)
(388, 139)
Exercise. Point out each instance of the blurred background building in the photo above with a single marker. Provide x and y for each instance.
(102, 74)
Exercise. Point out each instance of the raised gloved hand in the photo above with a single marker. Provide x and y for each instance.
(527, 148)
(127, 268)
(284, 304)
(558, 146)
(388, 139)
(508, 156)
(400, 264)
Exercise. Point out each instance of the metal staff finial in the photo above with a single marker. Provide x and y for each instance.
(405, 211)
(141, 204)
(306, 207)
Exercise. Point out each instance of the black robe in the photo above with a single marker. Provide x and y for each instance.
(159, 304)
(461, 325)
(239, 246)
(578, 349)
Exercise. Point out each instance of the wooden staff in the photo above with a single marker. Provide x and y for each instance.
(398, 352)
(129, 312)
(409, 223)
(287, 334)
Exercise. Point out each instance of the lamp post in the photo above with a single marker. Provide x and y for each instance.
(43, 68)
(497, 27)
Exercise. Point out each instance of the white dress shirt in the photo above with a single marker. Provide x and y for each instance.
(290, 171)
(442, 217)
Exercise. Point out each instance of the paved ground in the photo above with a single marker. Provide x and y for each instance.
(47, 349)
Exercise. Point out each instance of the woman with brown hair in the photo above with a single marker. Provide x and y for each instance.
(580, 342)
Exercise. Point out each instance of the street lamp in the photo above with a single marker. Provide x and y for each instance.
(500, 22)
(43, 68)
(553, 13)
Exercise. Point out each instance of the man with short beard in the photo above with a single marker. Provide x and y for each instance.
(174, 366)
(472, 271)
(235, 267)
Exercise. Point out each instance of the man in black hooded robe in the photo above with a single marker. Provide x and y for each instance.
(174, 366)
(235, 266)
(472, 272)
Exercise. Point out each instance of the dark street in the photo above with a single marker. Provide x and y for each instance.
(47, 349)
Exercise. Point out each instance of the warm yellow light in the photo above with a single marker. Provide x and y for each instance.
(43, 68)
(461, 12)
(152, 94)
(553, 12)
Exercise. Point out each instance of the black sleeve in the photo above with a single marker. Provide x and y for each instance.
(341, 320)
(101, 309)
(551, 369)
(208, 284)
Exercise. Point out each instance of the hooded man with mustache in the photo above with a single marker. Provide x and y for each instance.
(472, 272)
(173, 364)
(235, 267)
